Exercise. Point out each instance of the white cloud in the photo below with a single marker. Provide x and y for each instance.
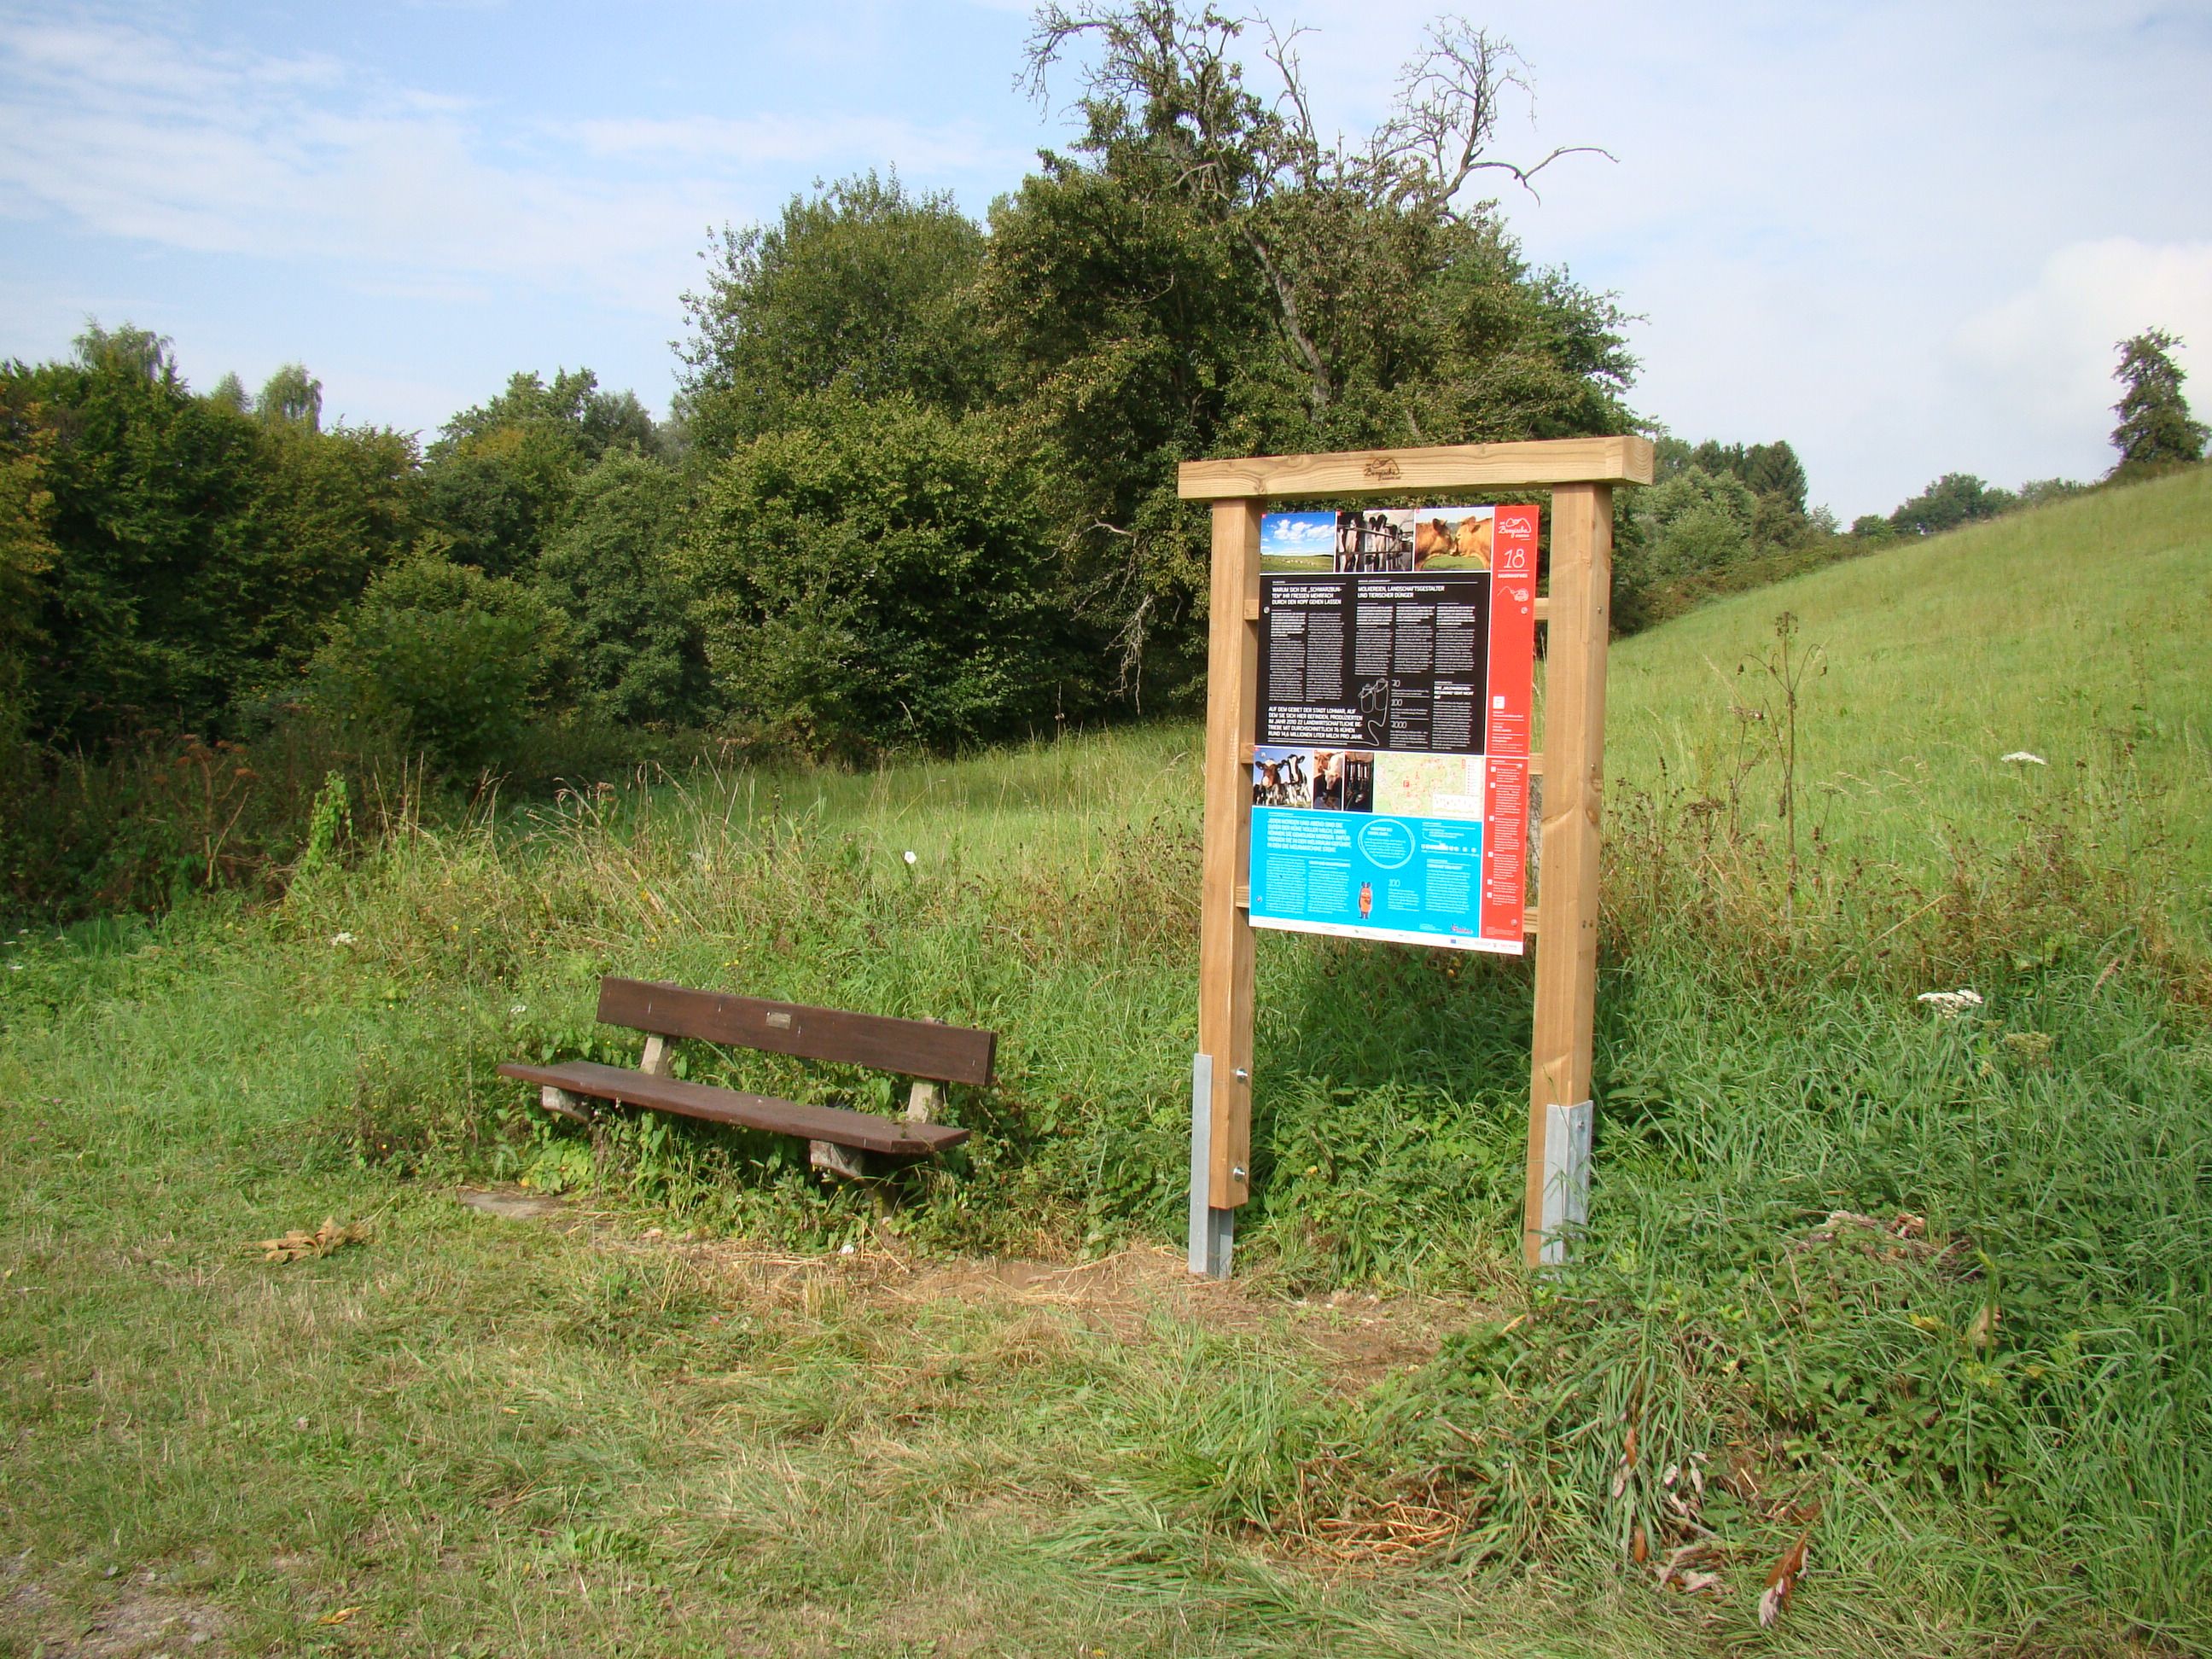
(2047, 352)
(118, 130)
(1293, 533)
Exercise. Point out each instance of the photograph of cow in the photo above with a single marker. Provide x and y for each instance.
(1324, 779)
(1398, 539)
(1373, 541)
(1282, 777)
(1343, 781)
(1454, 538)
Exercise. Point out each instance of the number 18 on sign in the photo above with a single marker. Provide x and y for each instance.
(1390, 770)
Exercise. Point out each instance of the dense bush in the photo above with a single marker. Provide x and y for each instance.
(634, 654)
(193, 554)
(442, 659)
(877, 577)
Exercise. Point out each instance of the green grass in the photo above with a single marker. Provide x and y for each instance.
(2079, 634)
(492, 1436)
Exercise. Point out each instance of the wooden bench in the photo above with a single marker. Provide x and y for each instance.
(838, 1141)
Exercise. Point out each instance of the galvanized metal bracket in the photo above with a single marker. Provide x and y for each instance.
(1567, 1132)
(1212, 1231)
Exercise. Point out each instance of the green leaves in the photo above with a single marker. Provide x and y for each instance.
(442, 656)
(877, 578)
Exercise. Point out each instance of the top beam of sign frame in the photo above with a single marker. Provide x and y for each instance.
(1626, 460)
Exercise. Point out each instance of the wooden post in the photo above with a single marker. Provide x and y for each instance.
(1566, 906)
(1224, 937)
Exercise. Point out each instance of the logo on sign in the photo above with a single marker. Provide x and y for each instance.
(1381, 467)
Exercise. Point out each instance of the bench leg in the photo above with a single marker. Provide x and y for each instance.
(561, 1101)
(923, 1100)
(844, 1163)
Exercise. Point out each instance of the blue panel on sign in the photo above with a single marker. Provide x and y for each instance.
(1415, 880)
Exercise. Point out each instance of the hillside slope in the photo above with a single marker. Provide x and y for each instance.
(2080, 632)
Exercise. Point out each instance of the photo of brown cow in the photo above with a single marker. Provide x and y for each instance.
(1454, 538)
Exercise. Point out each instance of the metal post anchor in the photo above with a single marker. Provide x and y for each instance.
(1212, 1231)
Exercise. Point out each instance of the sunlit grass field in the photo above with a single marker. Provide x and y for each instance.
(1925, 1293)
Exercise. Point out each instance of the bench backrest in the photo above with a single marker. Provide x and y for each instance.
(912, 1048)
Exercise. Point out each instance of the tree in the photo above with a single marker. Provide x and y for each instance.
(152, 531)
(1204, 273)
(862, 288)
(290, 397)
(589, 420)
(499, 476)
(26, 550)
(1952, 500)
(875, 577)
(1696, 521)
(193, 556)
(135, 353)
(1307, 211)
(634, 654)
(1774, 472)
(2156, 432)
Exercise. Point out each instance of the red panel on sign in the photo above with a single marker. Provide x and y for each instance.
(1512, 673)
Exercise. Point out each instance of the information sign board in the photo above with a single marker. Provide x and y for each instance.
(1390, 766)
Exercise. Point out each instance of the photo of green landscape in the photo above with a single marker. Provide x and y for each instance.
(341, 763)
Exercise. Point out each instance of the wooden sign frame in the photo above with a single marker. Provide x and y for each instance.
(1580, 473)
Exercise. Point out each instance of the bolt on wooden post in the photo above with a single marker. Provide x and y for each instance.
(1581, 472)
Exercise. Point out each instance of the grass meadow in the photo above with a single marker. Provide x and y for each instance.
(1923, 1294)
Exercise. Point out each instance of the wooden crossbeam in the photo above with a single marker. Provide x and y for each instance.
(1625, 460)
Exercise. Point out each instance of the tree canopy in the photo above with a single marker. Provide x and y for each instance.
(2156, 432)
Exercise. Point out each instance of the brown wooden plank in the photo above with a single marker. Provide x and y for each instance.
(1225, 931)
(1400, 471)
(1574, 749)
(785, 1118)
(912, 1048)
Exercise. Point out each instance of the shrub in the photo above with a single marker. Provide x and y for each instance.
(874, 578)
(445, 659)
(635, 658)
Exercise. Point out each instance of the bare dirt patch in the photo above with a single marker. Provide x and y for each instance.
(139, 1619)
(1358, 1337)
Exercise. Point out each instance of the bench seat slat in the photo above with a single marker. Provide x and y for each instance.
(912, 1048)
(846, 1128)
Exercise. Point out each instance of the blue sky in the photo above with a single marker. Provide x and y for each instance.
(1297, 533)
(1905, 236)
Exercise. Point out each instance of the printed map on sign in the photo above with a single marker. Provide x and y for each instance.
(1429, 786)
(1390, 779)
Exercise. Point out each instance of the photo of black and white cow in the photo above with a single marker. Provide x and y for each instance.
(1282, 777)
(1373, 541)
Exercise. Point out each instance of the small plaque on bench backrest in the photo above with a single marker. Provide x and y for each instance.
(913, 1048)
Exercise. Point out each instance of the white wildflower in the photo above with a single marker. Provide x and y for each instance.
(2021, 757)
(517, 1009)
(1952, 1002)
(910, 856)
(341, 939)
